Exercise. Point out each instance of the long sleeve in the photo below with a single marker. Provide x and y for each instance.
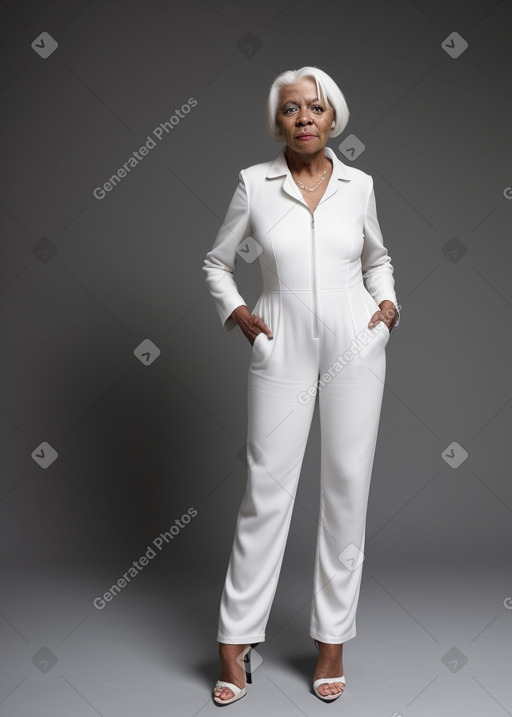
(376, 263)
(220, 262)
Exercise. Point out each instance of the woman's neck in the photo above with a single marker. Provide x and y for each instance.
(308, 164)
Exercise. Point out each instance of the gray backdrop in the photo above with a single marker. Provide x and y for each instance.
(123, 402)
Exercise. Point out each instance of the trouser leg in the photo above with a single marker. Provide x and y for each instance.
(278, 428)
(349, 415)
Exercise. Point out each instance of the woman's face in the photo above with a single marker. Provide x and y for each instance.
(304, 120)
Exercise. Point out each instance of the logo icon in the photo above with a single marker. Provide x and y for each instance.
(454, 659)
(44, 659)
(44, 45)
(44, 249)
(351, 557)
(249, 250)
(249, 45)
(147, 352)
(351, 147)
(454, 45)
(44, 454)
(454, 455)
(454, 249)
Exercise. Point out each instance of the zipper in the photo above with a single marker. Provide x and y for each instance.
(314, 281)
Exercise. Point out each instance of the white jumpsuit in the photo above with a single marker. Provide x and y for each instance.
(324, 275)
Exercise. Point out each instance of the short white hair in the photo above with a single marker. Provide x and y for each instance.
(328, 92)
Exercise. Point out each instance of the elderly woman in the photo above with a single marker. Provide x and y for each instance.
(319, 329)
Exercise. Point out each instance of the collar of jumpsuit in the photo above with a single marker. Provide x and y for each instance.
(279, 168)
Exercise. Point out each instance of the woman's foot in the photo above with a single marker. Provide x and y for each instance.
(329, 664)
(231, 670)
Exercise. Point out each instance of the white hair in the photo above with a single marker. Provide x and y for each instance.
(328, 92)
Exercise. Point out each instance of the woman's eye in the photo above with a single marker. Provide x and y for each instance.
(318, 109)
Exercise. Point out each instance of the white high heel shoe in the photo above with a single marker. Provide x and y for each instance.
(238, 692)
(328, 681)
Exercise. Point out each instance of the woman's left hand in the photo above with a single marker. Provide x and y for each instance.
(387, 314)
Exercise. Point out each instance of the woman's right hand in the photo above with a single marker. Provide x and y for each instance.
(250, 324)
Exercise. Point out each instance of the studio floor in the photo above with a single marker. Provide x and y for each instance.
(429, 642)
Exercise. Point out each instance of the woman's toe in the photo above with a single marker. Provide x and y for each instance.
(332, 688)
(221, 693)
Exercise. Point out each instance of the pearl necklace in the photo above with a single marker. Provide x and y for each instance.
(312, 189)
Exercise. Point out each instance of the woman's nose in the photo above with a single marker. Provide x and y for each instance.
(304, 119)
